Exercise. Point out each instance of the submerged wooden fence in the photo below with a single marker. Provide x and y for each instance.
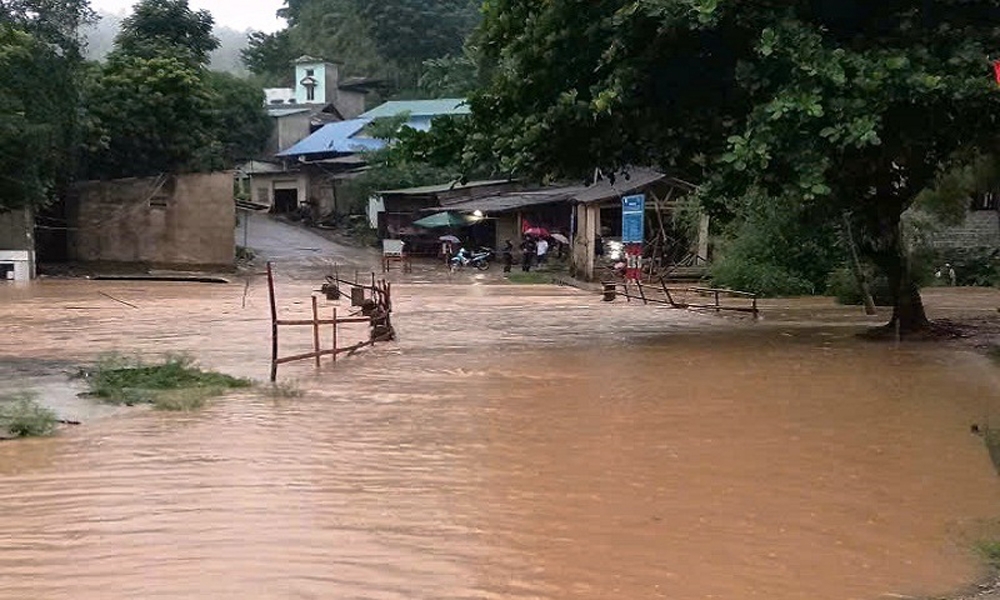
(376, 313)
(664, 295)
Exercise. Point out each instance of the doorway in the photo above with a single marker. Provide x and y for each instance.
(286, 201)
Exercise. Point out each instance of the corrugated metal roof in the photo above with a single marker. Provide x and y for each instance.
(285, 112)
(442, 187)
(636, 179)
(336, 138)
(419, 108)
(512, 200)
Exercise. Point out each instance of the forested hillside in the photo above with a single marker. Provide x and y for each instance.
(398, 41)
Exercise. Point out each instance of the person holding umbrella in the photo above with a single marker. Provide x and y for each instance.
(447, 247)
(528, 249)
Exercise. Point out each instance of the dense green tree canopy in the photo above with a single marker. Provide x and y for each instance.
(39, 116)
(155, 29)
(158, 109)
(836, 105)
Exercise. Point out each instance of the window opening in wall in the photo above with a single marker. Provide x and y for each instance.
(6, 272)
(987, 201)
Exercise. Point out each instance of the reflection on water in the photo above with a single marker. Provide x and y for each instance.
(513, 445)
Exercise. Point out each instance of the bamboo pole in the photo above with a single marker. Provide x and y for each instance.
(857, 271)
(315, 326)
(335, 334)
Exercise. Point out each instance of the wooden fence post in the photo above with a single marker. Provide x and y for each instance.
(315, 329)
(274, 324)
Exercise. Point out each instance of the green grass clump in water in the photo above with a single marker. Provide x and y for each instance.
(283, 389)
(991, 552)
(22, 416)
(991, 437)
(530, 277)
(175, 384)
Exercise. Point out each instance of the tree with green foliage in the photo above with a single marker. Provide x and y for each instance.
(154, 116)
(826, 106)
(157, 108)
(240, 127)
(410, 158)
(269, 56)
(40, 128)
(452, 76)
(167, 27)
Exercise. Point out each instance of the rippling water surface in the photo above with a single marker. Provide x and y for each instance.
(517, 443)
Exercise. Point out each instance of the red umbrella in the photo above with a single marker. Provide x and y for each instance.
(537, 232)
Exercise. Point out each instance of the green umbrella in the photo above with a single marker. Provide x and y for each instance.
(443, 219)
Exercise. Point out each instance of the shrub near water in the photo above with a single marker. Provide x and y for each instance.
(22, 416)
(175, 384)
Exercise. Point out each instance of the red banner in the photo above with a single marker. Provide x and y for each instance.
(633, 262)
(996, 70)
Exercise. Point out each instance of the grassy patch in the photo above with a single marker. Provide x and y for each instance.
(22, 416)
(175, 384)
(991, 552)
(991, 437)
(529, 278)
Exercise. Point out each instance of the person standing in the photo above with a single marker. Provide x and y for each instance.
(508, 256)
(542, 250)
(528, 249)
(447, 250)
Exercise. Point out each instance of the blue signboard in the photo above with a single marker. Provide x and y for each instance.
(633, 219)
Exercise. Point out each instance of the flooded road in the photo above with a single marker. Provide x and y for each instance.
(519, 442)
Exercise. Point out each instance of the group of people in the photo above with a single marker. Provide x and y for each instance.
(534, 252)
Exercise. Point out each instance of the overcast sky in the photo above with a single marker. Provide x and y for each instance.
(237, 14)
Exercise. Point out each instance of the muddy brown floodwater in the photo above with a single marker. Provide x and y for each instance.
(517, 443)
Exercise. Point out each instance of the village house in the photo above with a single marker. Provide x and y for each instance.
(312, 171)
(497, 211)
(319, 97)
(170, 222)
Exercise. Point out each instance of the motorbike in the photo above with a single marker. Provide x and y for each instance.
(479, 259)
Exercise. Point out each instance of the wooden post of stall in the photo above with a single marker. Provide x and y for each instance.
(274, 324)
(335, 334)
(666, 292)
(315, 329)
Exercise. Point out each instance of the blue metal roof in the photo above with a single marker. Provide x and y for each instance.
(419, 108)
(348, 137)
(336, 138)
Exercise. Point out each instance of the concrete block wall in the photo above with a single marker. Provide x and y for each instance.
(183, 221)
(981, 229)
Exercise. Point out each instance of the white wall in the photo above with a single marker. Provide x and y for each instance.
(23, 261)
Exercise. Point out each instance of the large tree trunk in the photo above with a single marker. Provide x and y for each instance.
(908, 314)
